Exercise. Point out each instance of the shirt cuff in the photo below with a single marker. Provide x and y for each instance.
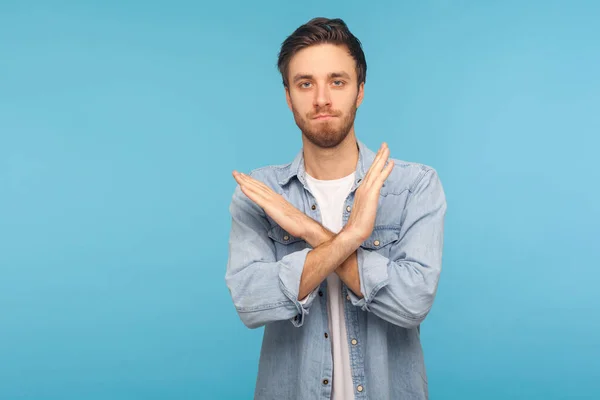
(310, 296)
(290, 272)
(373, 275)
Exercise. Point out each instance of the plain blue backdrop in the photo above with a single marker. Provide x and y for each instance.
(120, 124)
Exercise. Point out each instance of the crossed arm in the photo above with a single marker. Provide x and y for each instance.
(334, 253)
(399, 289)
(330, 252)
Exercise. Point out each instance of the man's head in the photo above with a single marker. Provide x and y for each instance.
(324, 71)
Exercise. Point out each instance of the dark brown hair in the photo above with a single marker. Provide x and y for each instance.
(318, 31)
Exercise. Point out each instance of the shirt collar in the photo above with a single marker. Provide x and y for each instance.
(297, 168)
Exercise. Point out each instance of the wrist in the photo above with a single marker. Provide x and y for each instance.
(351, 236)
(348, 239)
(315, 234)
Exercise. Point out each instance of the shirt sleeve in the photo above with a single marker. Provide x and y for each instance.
(401, 288)
(263, 289)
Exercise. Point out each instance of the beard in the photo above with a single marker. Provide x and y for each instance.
(326, 134)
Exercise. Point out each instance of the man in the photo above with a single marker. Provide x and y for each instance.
(338, 253)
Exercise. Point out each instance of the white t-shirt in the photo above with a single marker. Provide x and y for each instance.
(331, 195)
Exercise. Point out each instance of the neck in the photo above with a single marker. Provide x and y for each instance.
(333, 163)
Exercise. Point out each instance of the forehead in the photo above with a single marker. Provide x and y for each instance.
(322, 59)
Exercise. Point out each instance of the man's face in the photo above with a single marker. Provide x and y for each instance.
(323, 93)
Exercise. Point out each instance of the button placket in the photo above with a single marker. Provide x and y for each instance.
(313, 207)
(355, 356)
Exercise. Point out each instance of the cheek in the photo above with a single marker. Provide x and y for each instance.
(301, 104)
(345, 101)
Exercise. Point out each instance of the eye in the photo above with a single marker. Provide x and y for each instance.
(338, 83)
(305, 85)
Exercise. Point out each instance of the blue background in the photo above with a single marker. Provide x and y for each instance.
(120, 123)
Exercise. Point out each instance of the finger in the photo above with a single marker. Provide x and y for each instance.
(253, 194)
(385, 173)
(250, 194)
(378, 164)
(238, 177)
(246, 180)
(241, 177)
(252, 186)
(369, 171)
(246, 183)
(381, 156)
(258, 185)
(385, 155)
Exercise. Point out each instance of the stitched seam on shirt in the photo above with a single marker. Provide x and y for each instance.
(424, 171)
(395, 193)
(278, 167)
(407, 316)
(261, 307)
(419, 178)
(415, 317)
(376, 289)
(389, 227)
(299, 307)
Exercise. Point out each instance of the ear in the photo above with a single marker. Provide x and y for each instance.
(288, 99)
(361, 94)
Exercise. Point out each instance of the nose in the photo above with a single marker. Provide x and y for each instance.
(322, 97)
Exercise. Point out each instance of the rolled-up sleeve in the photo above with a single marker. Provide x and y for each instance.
(263, 289)
(401, 288)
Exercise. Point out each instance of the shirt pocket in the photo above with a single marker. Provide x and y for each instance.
(382, 238)
(284, 242)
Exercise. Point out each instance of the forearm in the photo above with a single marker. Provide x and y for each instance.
(347, 270)
(324, 258)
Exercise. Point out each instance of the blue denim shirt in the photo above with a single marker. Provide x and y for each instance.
(399, 269)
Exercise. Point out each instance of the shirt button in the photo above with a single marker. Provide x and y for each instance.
(376, 243)
(326, 335)
(286, 237)
(325, 381)
(359, 388)
(320, 293)
(348, 297)
(313, 207)
(354, 342)
(348, 208)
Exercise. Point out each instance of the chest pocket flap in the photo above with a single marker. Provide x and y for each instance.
(380, 237)
(280, 235)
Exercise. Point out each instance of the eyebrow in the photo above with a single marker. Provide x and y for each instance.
(331, 75)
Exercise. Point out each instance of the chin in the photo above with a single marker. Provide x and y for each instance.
(326, 140)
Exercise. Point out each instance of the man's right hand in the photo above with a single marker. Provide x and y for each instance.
(283, 213)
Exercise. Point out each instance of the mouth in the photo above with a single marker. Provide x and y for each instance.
(321, 117)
